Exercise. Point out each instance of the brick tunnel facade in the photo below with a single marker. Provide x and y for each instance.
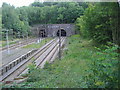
(52, 30)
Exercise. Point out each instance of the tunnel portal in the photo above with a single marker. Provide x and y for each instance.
(63, 32)
(42, 33)
(52, 30)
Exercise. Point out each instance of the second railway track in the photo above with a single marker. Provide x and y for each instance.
(19, 44)
(46, 53)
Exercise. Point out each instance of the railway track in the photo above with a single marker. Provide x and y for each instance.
(19, 66)
(19, 44)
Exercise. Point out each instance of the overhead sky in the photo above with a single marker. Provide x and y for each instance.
(19, 3)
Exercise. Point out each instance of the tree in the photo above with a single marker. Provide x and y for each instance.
(37, 4)
(99, 22)
(15, 19)
(23, 16)
(19, 19)
(55, 12)
(114, 19)
(10, 19)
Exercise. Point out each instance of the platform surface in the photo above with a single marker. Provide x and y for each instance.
(14, 53)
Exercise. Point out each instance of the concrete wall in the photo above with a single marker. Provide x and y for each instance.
(52, 29)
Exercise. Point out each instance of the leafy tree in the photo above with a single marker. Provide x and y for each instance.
(9, 17)
(55, 12)
(37, 4)
(15, 19)
(99, 22)
(34, 15)
(19, 19)
(23, 16)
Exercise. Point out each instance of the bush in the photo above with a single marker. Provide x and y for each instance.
(103, 71)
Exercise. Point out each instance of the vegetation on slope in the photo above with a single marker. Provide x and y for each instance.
(83, 65)
(100, 22)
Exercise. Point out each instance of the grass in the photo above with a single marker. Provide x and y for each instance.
(67, 72)
(4, 43)
(38, 45)
(63, 73)
(70, 71)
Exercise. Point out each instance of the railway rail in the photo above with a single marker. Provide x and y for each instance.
(19, 66)
(19, 44)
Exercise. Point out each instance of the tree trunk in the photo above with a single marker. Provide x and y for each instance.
(116, 26)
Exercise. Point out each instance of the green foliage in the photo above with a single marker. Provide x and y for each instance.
(15, 19)
(19, 19)
(67, 72)
(37, 4)
(31, 68)
(9, 16)
(57, 76)
(34, 15)
(104, 69)
(66, 12)
(5, 43)
(83, 66)
(99, 21)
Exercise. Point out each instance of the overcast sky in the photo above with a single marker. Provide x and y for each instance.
(19, 3)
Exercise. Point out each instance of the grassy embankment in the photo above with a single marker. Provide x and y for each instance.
(69, 71)
(38, 45)
(79, 61)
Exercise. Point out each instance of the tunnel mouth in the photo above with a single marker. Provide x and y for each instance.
(63, 32)
(42, 33)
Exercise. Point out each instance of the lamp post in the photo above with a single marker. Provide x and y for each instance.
(11, 33)
(8, 47)
(19, 38)
(38, 35)
(59, 43)
(46, 28)
(27, 37)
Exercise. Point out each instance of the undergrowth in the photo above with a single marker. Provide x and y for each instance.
(83, 66)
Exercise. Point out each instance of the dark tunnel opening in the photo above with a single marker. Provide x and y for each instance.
(63, 32)
(42, 33)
